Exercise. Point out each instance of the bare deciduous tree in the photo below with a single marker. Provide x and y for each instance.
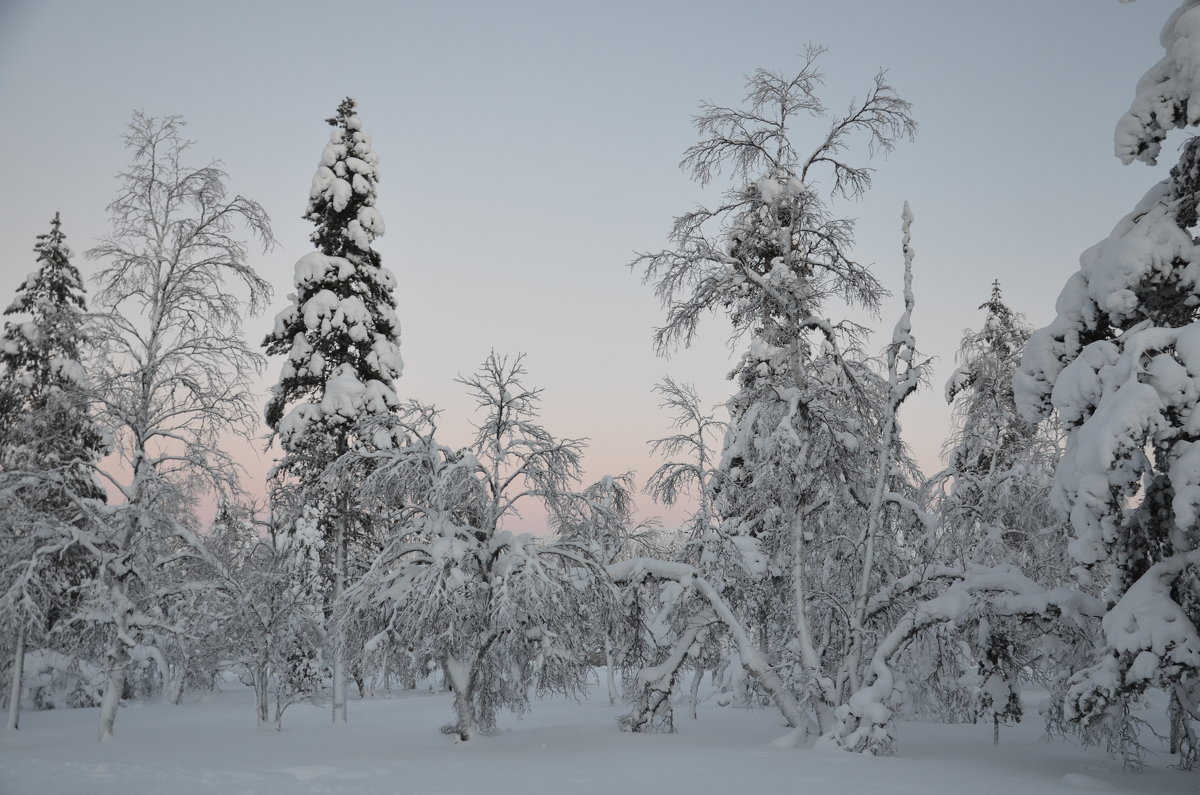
(172, 368)
(500, 612)
(802, 458)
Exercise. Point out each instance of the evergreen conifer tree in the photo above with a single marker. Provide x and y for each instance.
(341, 338)
(999, 465)
(340, 334)
(993, 508)
(49, 445)
(1121, 366)
(45, 416)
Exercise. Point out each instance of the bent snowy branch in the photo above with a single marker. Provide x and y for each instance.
(638, 570)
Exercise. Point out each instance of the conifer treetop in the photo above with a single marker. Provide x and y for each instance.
(44, 348)
(342, 199)
(45, 421)
(340, 333)
(994, 350)
(57, 280)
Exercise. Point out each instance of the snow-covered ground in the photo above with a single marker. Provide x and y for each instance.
(393, 746)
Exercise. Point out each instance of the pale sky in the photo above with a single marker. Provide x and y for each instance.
(528, 149)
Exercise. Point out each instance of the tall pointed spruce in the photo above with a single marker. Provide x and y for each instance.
(341, 338)
(49, 445)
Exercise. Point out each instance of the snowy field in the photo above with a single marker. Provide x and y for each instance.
(392, 746)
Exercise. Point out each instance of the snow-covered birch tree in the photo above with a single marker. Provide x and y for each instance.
(771, 257)
(670, 627)
(341, 337)
(500, 612)
(690, 470)
(1120, 365)
(607, 528)
(171, 370)
(262, 600)
(864, 710)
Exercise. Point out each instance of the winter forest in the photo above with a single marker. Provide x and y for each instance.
(786, 572)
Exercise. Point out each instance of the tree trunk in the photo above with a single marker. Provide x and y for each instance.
(694, 697)
(360, 681)
(384, 681)
(339, 582)
(178, 684)
(466, 713)
(14, 700)
(458, 677)
(823, 704)
(115, 570)
(609, 666)
(262, 694)
(995, 729)
(653, 711)
(764, 625)
(118, 661)
(1184, 741)
(408, 678)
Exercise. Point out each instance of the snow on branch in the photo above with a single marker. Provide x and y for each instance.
(866, 721)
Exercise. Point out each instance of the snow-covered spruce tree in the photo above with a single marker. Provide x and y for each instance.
(171, 373)
(49, 446)
(999, 466)
(341, 338)
(808, 405)
(46, 424)
(894, 609)
(993, 506)
(998, 691)
(1120, 364)
(501, 613)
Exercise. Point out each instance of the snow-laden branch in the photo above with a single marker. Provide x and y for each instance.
(637, 570)
(866, 721)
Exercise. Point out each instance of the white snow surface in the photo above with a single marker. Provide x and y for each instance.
(212, 745)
